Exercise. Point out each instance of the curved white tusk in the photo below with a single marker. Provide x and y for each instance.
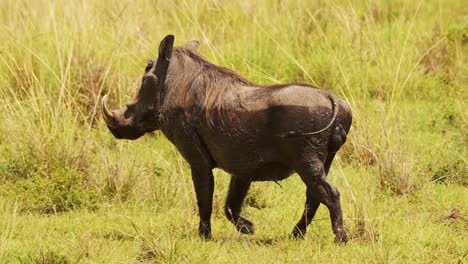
(108, 115)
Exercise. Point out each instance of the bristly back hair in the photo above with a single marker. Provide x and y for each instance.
(198, 77)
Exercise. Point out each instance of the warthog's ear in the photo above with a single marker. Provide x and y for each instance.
(193, 45)
(165, 48)
(162, 64)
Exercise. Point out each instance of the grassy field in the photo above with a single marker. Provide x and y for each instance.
(71, 193)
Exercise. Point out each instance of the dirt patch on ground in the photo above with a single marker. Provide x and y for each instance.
(454, 214)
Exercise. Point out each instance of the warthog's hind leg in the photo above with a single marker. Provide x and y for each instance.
(311, 206)
(312, 172)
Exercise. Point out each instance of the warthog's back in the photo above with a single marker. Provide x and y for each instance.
(250, 139)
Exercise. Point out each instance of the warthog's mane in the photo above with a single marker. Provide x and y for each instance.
(202, 84)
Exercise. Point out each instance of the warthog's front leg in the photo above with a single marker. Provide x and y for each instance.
(201, 164)
(204, 186)
(238, 189)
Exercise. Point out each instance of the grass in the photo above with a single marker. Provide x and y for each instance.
(70, 192)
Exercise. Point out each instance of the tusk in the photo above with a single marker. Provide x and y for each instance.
(108, 116)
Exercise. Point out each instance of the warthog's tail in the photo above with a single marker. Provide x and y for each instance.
(295, 134)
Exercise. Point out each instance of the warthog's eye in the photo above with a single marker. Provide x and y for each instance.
(149, 66)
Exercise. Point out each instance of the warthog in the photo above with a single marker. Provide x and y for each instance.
(218, 119)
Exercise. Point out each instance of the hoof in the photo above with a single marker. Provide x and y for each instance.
(341, 238)
(205, 236)
(298, 233)
(245, 226)
(204, 231)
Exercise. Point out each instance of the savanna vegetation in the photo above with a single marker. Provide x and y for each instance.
(71, 193)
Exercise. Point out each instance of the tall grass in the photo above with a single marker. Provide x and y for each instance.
(400, 64)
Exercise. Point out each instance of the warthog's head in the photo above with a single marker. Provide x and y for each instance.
(142, 115)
